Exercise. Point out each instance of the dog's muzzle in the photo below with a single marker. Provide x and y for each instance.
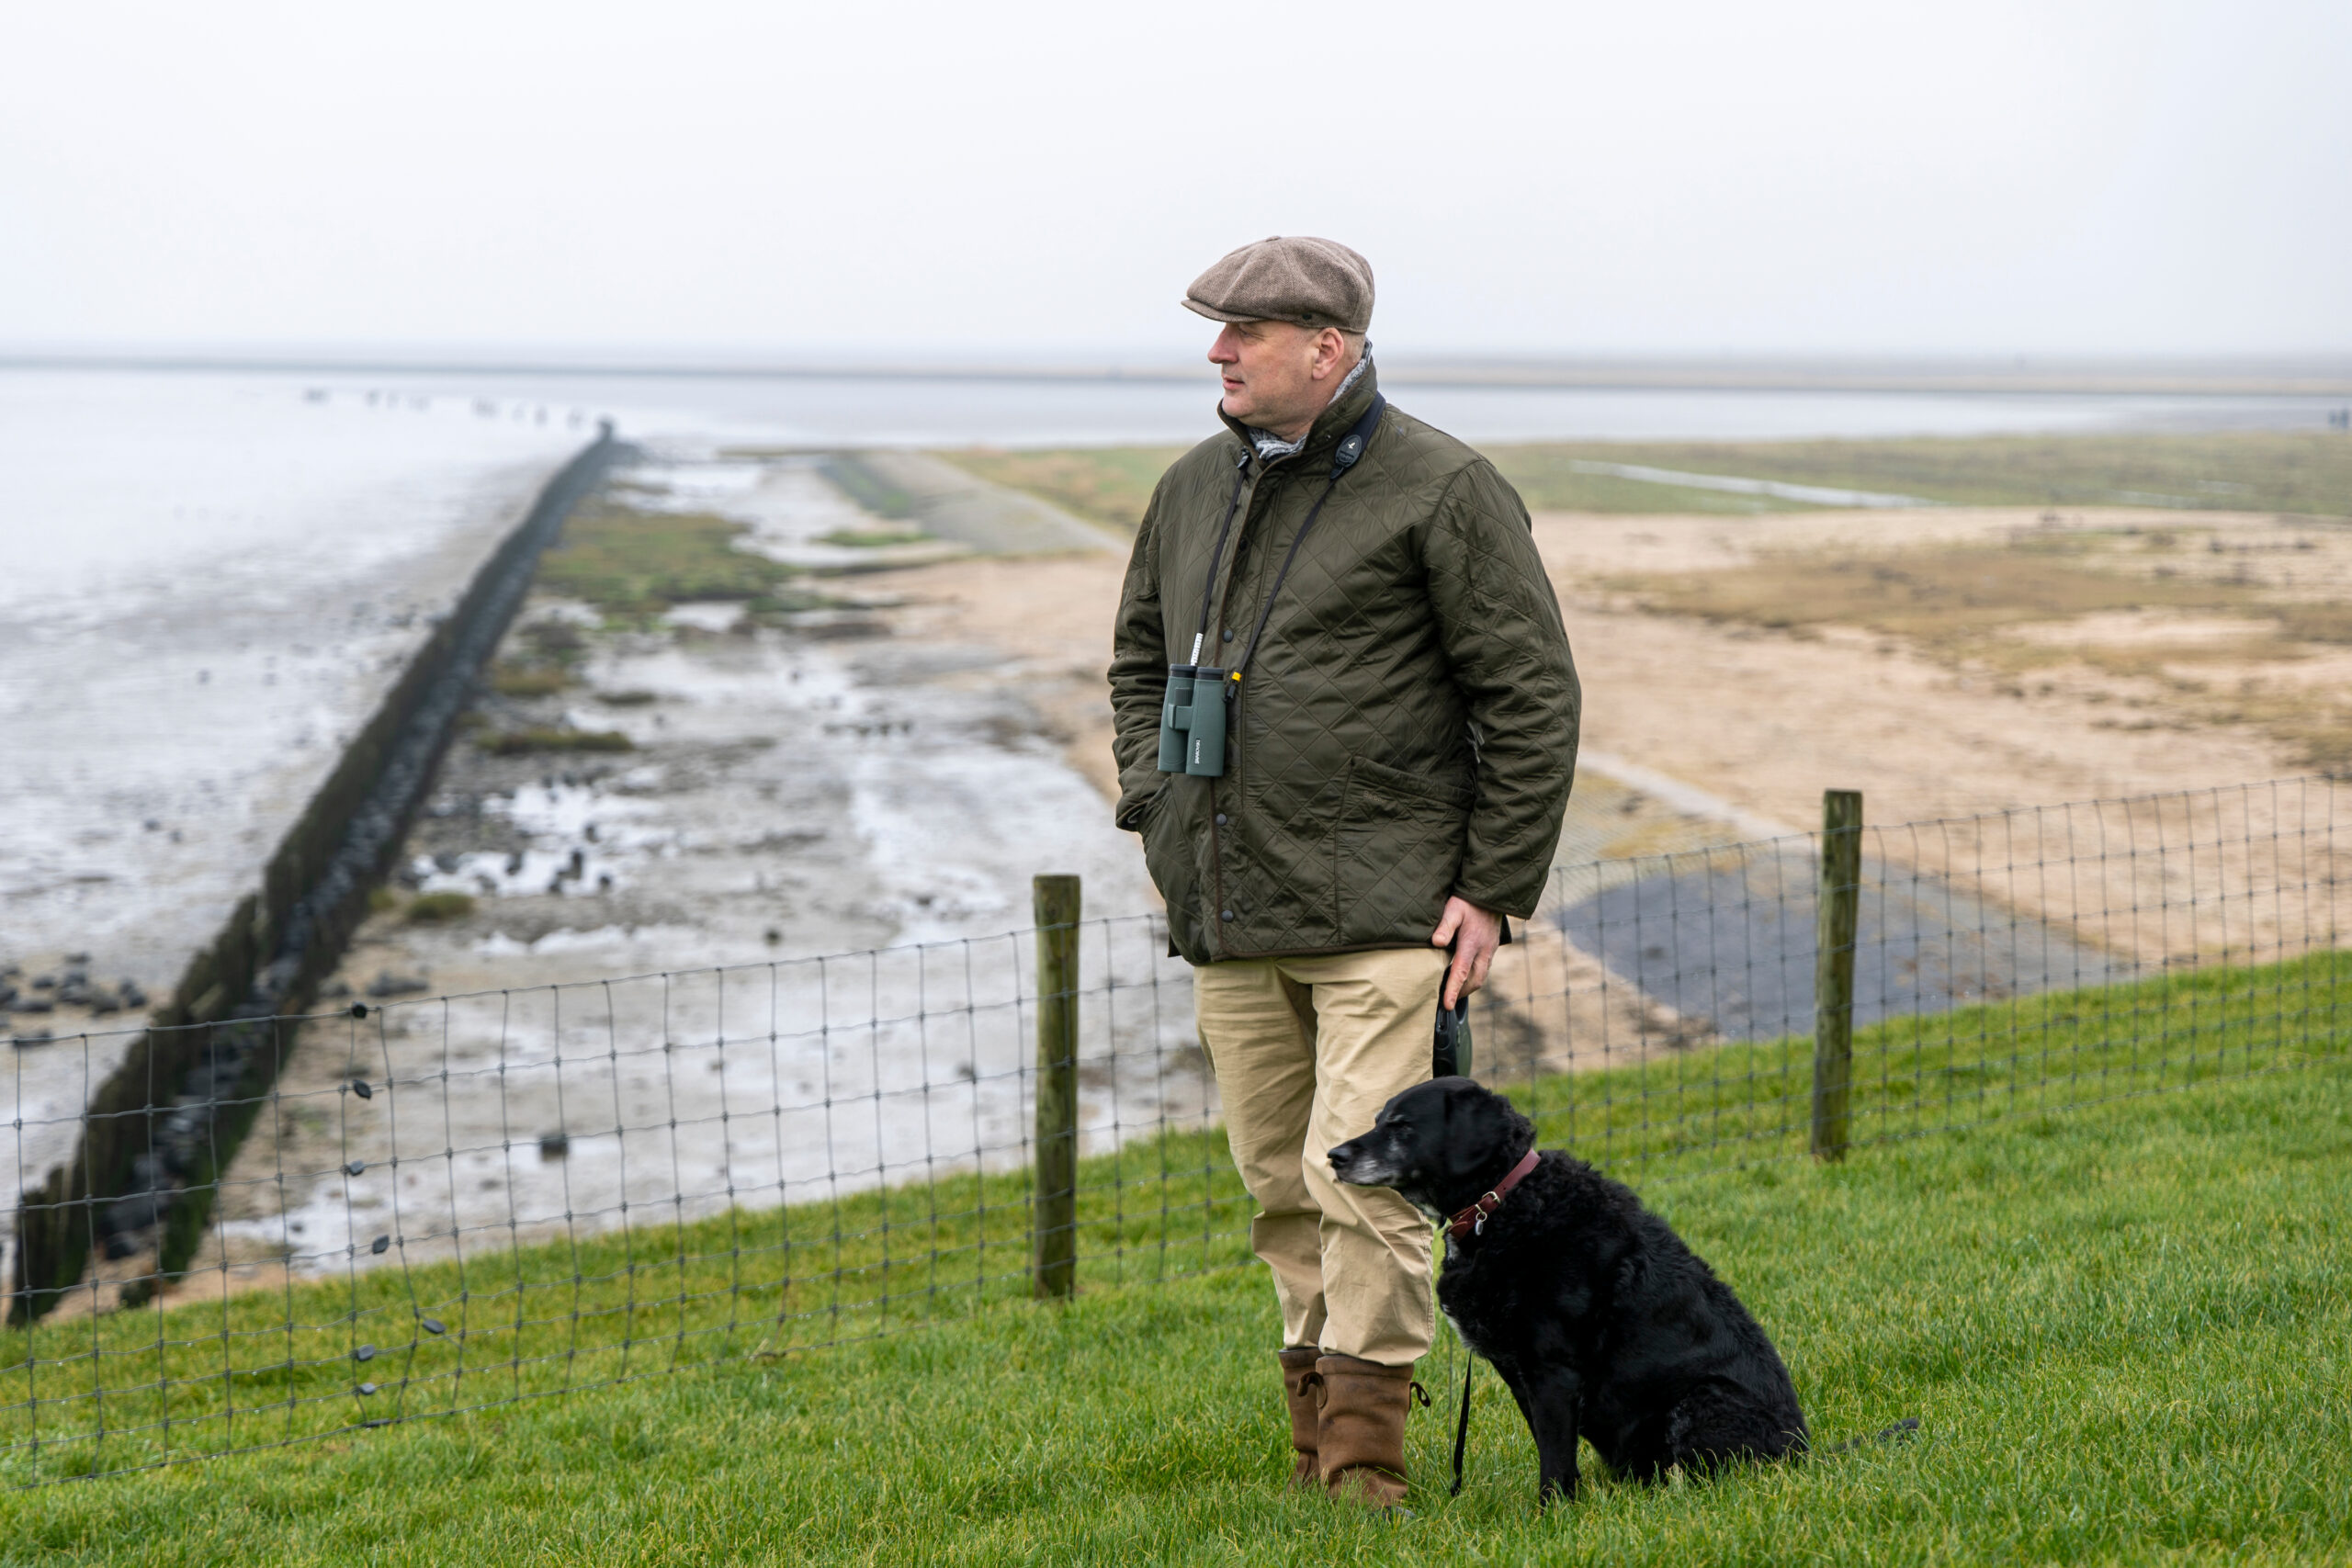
(1356, 1166)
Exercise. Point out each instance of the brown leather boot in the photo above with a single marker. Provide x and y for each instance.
(1302, 1388)
(1361, 1439)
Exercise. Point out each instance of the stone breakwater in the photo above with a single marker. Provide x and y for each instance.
(159, 1129)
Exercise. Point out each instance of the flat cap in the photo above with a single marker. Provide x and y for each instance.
(1315, 283)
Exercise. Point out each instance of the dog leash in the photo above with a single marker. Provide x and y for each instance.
(1472, 1220)
(1462, 1428)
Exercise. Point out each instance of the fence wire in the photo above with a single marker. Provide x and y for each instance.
(419, 1207)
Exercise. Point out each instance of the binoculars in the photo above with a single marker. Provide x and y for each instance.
(1191, 721)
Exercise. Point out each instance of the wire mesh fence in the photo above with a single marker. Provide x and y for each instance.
(419, 1207)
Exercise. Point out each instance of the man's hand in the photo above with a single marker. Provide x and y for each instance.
(1474, 934)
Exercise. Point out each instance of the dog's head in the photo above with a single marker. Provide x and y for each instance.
(1439, 1144)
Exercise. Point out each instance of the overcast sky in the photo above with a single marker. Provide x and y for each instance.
(1985, 178)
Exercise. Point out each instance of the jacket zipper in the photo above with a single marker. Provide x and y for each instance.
(1233, 725)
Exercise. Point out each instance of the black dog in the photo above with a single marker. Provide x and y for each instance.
(1601, 1321)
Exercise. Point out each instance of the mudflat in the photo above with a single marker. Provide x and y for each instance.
(821, 771)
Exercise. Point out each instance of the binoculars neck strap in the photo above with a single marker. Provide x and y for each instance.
(1350, 448)
(1216, 556)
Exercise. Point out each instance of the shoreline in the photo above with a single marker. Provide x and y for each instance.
(887, 769)
(2057, 375)
(156, 1129)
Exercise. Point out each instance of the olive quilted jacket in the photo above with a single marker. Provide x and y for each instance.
(1408, 727)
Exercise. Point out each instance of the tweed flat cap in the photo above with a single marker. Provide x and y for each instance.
(1316, 283)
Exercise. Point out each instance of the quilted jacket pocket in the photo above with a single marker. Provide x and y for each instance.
(1400, 848)
(1171, 856)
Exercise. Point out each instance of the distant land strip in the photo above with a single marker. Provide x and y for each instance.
(1819, 495)
(2301, 473)
(2330, 377)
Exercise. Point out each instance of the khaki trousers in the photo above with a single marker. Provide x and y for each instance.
(1305, 1052)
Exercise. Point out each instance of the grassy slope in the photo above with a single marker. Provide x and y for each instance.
(2124, 1328)
(2251, 471)
(1113, 484)
(2239, 471)
(1103, 484)
(2125, 1333)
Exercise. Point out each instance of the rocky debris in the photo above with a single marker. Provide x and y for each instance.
(387, 984)
(125, 1218)
(37, 1037)
(554, 1145)
(71, 986)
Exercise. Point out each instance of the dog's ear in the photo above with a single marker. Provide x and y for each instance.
(1519, 1133)
(1481, 1127)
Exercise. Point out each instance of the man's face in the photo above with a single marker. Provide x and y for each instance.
(1269, 373)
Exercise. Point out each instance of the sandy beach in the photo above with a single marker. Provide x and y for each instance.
(1765, 721)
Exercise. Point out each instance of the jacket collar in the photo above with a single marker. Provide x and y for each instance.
(1330, 425)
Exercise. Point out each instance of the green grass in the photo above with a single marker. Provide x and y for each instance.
(873, 539)
(857, 479)
(2124, 1329)
(2245, 471)
(439, 908)
(510, 680)
(547, 738)
(634, 564)
(2240, 472)
(1111, 485)
(1548, 481)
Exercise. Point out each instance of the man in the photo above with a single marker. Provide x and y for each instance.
(1365, 600)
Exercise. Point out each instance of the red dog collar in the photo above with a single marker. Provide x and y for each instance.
(1472, 1220)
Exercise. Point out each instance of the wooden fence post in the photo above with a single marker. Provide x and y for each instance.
(1837, 926)
(1054, 1226)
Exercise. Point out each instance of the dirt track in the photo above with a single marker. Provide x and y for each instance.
(1764, 720)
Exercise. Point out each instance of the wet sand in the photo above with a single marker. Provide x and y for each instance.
(246, 574)
(212, 582)
(870, 779)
